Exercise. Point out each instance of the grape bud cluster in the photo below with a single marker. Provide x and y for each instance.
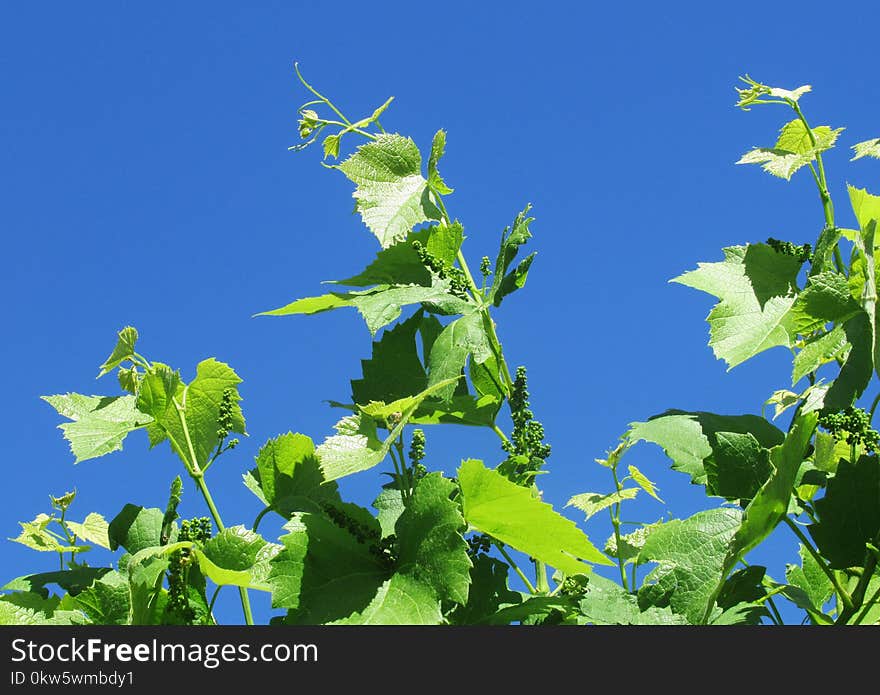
(852, 425)
(478, 543)
(224, 416)
(457, 281)
(383, 549)
(803, 252)
(198, 530)
(526, 449)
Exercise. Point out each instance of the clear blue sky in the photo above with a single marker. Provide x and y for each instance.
(146, 180)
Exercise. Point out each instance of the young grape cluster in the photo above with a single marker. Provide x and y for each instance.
(803, 252)
(417, 453)
(478, 543)
(457, 281)
(526, 448)
(198, 530)
(852, 425)
(224, 418)
(383, 549)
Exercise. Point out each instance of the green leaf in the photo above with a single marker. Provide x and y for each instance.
(690, 555)
(755, 286)
(167, 400)
(739, 466)
(794, 148)
(849, 513)
(288, 475)
(494, 505)
(826, 298)
(809, 577)
(644, 482)
(72, 581)
(239, 557)
(511, 240)
(107, 601)
(630, 545)
(398, 264)
(435, 181)
(818, 351)
(856, 372)
(145, 571)
(37, 536)
(606, 603)
(391, 192)
(458, 410)
(93, 529)
(591, 503)
(324, 573)
(356, 447)
(124, 349)
(868, 148)
(394, 371)
(488, 592)
(379, 306)
(770, 504)
(867, 210)
(401, 600)
(691, 439)
(389, 504)
(100, 423)
(463, 337)
(137, 528)
(430, 544)
(445, 241)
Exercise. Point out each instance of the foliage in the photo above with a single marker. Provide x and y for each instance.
(439, 549)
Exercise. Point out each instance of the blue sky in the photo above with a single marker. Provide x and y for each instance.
(146, 181)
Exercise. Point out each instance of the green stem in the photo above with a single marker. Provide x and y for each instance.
(213, 601)
(497, 430)
(260, 518)
(822, 181)
(873, 407)
(774, 610)
(615, 521)
(515, 567)
(858, 594)
(841, 592)
(867, 606)
(319, 95)
(197, 475)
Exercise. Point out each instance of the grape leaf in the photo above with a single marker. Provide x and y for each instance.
(430, 545)
(37, 536)
(239, 557)
(494, 505)
(389, 505)
(606, 603)
(512, 238)
(167, 400)
(136, 528)
(809, 577)
(464, 336)
(818, 351)
(868, 148)
(124, 349)
(488, 592)
(591, 503)
(106, 601)
(379, 306)
(770, 504)
(288, 476)
(855, 374)
(690, 555)
(793, 149)
(849, 513)
(755, 286)
(391, 194)
(826, 298)
(691, 439)
(100, 423)
(93, 529)
(394, 370)
(401, 600)
(398, 264)
(435, 181)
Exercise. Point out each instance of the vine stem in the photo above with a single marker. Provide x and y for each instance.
(844, 596)
(510, 561)
(615, 521)
(198, 476)
(821, 180)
